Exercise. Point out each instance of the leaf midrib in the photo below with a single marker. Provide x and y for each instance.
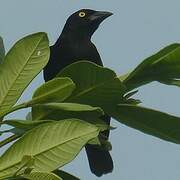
(156, 130)
(71, 98)
(20, 72)
(71, 139)
(52, 91)
(159, 59)
(153, 63)
(86, 91)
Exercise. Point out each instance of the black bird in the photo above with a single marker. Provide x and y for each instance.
(74, 44)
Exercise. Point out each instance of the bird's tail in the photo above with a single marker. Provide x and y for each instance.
(100, 160)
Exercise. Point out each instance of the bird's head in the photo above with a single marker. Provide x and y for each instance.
(85, 21)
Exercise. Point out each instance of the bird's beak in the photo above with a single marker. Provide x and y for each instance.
(100, 16)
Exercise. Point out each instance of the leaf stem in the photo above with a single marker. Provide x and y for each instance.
(15, 108)
(8, 140)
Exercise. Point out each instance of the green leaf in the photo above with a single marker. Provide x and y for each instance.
(16, 178)
(65, 175)
(27, 161)
(130, 94)
(56, 90)
(149, 121)
(129, 100)
(73, 107)
(42, 176)
(132, 101)
(22, 63)
(58, 111)
(174, 82)
(22, 126)
(2, 51)
(162, 66)
(52, 145)
(95, 85)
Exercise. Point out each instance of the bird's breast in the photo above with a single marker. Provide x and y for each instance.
(84, 51)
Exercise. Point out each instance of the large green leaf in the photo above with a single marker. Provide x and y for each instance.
(58, 111)
(95, 85)
(56, 90)
(42, 176)
(73, 107)
(163, 67)
(2, 50)
(52, 145)
(22, 63)
(149, 121)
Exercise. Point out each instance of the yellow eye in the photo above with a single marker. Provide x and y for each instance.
(82, 14)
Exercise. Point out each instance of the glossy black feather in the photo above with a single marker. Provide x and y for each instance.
(67, 51)
(74, 44)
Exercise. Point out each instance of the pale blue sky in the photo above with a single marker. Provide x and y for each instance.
(135, 31)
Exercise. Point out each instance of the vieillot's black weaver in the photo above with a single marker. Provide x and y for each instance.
(74, 44)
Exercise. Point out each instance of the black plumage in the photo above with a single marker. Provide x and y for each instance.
(74, 44)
